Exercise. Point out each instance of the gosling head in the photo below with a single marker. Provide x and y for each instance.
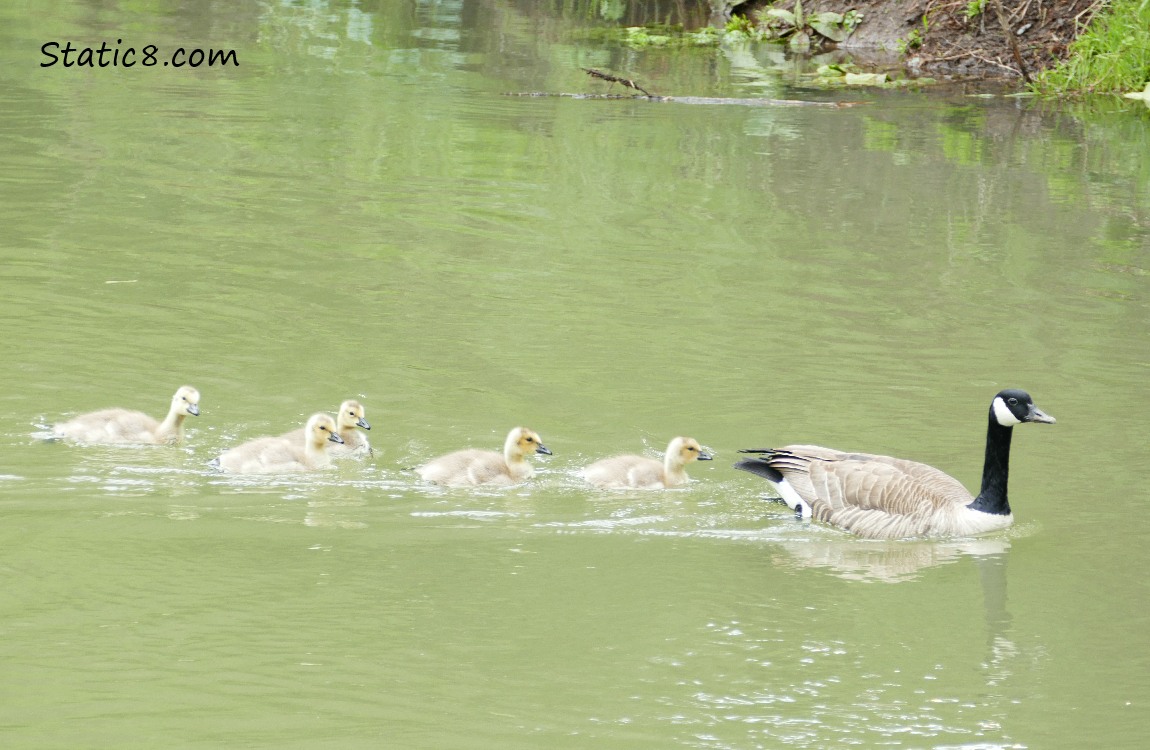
(523, 442)
(1012, 406)
(321, 428)
(186, 401)
(684, 450)
(352, 414)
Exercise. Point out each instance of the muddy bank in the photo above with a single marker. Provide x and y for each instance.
(959, 38)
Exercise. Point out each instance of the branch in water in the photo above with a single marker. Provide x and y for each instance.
(691, 99)
(615, 79)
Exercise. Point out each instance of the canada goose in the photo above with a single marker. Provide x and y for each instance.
(280, 454)
(879, 497)
(647, 473)
(468, 468)
(126, 426)
(351, 415)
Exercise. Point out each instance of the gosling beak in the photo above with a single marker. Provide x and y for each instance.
(193, 409)
(335, 438)
(363, 423)
(543, 449)
(1037, 415)
(704, 456)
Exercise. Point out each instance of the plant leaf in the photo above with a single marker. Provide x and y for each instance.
(801, 41)
(783, 15)
(830, 25)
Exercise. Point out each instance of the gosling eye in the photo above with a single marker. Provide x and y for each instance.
(530, 439)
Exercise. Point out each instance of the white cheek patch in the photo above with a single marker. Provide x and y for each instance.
(1003, 415)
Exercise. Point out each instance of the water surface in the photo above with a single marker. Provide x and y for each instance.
(358, 211)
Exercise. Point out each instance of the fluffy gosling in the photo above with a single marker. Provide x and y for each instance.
(281, 454)
(123, 426)
(474, 467)
(641, 473)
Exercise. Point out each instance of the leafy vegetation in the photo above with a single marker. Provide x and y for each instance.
(803, 30)
(1112, 55)
(974, 9)
(849, 74)
(642, 37)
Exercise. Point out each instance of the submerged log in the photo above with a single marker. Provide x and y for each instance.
(646, 96)
(690, 99)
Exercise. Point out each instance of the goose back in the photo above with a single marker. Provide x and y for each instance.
(626, 472)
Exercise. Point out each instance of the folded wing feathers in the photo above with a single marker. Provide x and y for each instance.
(873, 496)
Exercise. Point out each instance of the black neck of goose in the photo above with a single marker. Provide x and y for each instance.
(995, 471)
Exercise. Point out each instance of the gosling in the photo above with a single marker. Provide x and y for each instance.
(123, 426)
(351, 415)
(281, 454)
(638, 472)
(474, 467)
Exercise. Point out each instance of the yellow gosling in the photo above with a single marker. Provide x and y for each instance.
(641, 473)
(474, 467)
(350, 418)
(281, 455)
(124, 426)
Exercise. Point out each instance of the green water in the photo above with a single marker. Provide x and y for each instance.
(357, 211)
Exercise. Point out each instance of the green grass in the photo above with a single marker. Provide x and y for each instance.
(1112, 55)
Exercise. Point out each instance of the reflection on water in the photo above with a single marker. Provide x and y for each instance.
(883, 561)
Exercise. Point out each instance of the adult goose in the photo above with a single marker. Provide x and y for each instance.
(473, 467)
(127, 426)
(879, 497)
(639, 472)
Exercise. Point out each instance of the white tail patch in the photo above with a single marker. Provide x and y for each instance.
(1003, 415)
(792, 499)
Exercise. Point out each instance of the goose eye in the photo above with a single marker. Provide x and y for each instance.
(530, 439)
(1012, 401)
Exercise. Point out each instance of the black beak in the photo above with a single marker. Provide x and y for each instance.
(193, 409)
(543, 449)
(363, 423)
(704, 456)
(1037, 415)
(335, 438)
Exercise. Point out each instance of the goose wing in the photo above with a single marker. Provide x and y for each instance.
(835, 482)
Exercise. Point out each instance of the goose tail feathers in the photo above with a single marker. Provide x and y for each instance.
(760, 467)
